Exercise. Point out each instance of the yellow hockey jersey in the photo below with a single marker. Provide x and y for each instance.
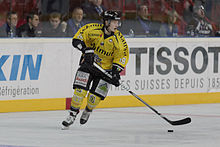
(109, 51)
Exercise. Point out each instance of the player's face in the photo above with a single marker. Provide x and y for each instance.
(114, 24)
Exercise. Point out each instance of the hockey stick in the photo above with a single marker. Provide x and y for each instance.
(177, 122)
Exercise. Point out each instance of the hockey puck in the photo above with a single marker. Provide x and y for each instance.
(170, 130)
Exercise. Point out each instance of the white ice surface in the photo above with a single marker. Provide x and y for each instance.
(117, 127)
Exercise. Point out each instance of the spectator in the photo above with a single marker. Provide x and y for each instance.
(170, 29)
(30, 29)
(198, 3)
(199, 26)
(158, 10)
(9, 28)
(187, 12)
(142, 25)
(93, 10)
(54, 28)
(75, 22)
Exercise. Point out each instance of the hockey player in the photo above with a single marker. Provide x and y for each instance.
(106, 46)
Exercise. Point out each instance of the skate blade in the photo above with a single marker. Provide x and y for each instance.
(64, 127)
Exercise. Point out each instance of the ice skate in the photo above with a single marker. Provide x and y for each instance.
(85, 116)
(69, 120)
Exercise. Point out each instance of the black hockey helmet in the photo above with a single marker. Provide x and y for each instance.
(111, 15)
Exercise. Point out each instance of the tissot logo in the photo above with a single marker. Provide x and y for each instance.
(163, 60)
(13, 65)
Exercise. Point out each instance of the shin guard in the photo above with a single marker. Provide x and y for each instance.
(92, 101)
(78, 97)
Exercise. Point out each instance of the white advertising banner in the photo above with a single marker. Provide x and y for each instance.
(36, 68)
(45, 68)
(172, 65)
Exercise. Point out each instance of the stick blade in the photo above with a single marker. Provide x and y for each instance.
(181, 122)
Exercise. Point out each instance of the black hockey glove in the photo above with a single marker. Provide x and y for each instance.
(88, 56)
(115, 76)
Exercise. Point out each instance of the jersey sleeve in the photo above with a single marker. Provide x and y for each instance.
(121, 52)
(80, 39)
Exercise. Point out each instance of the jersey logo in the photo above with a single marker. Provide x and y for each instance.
(102, 88)
(110, 40)
(81, 78)
(93, 34)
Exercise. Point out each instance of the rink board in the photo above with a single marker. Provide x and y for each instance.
(109, 102)
(37, 74)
